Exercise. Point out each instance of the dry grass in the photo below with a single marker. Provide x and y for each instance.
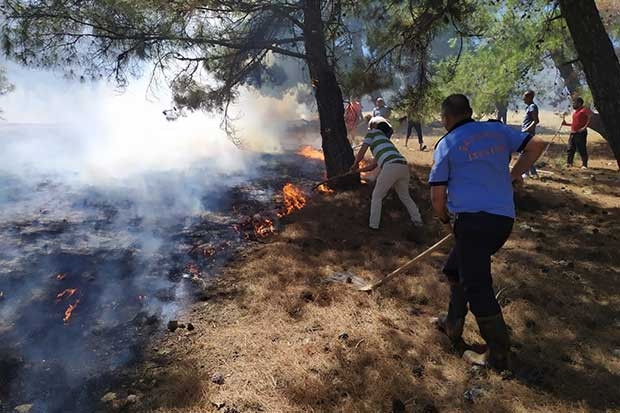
(274, 327)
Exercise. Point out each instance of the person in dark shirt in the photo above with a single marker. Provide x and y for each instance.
(530, 121)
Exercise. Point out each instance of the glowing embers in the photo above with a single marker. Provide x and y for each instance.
(293, 199)
(324, 189)
(69, 292)
(263, 228)
(65, 294)
(264, 224)
(311, 153)
(69, 311)
(255, 227)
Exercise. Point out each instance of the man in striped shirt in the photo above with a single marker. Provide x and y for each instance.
(394, 170)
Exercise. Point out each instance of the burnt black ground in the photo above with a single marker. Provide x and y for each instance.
(129, 255)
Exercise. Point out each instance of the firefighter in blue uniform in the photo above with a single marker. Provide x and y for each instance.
(471, 180)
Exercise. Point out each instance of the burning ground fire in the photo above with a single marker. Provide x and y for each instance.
(264, 228)
(294, 199)
(255, 227)
(109, 290)
(324, 189)
(68, 292)
(69, 311)
(64, 294)
(259, 226)
(311, 153)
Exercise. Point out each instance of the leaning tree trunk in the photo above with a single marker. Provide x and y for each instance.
(600, 64)
(336, 147)
(567, 72)
(571, 76)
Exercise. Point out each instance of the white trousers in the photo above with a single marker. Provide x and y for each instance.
(392, 175)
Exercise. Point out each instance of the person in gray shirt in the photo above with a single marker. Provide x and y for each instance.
(529, 123)
(381, 109)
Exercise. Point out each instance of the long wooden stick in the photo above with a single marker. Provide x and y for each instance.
(406, 266)
(557, 133)
(333, 178)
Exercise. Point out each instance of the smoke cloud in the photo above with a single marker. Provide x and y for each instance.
(100, 193)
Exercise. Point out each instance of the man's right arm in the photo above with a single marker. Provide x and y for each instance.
(360, 155)
(439, 200)
(438, 180)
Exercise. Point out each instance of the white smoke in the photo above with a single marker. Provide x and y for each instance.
(96, 133)
(98, 184)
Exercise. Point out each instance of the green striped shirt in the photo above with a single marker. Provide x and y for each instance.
(383, 150)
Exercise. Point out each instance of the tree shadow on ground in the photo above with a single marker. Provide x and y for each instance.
(561, 288)
(562, 337)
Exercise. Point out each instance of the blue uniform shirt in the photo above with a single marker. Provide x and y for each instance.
(473, 161)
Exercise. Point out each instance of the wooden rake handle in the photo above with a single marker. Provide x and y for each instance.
(557, 133)
(406, 266)
(333, 178)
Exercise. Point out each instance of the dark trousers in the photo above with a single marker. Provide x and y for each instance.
(478, 236)
(577, 142)
(411, 125)
(502, 114)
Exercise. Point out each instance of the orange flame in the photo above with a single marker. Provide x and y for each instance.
(61, 276)
(364, 163)
(365, 175)
(66, 293)
(311, 153)
(294, 199)
(69, 311)
(324, 189)
(264, 228)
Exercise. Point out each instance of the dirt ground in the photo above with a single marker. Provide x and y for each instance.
(286, 339)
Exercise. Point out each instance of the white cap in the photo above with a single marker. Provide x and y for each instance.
(374, 122)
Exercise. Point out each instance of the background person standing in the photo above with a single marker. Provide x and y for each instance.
(578, 133)
(381, 109)
(529, 123)
(417, 125)
(352, 116)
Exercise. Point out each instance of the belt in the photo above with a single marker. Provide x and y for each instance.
(480, 214)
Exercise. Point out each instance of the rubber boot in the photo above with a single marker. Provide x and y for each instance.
(454, 330)
(494, 331)
(453, 323)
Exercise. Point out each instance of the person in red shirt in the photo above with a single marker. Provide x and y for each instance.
(578, 133)
(352, 116)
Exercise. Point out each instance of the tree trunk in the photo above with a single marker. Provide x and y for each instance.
(336, 147)
(600, 64)
(571, 76)
(567, 72)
